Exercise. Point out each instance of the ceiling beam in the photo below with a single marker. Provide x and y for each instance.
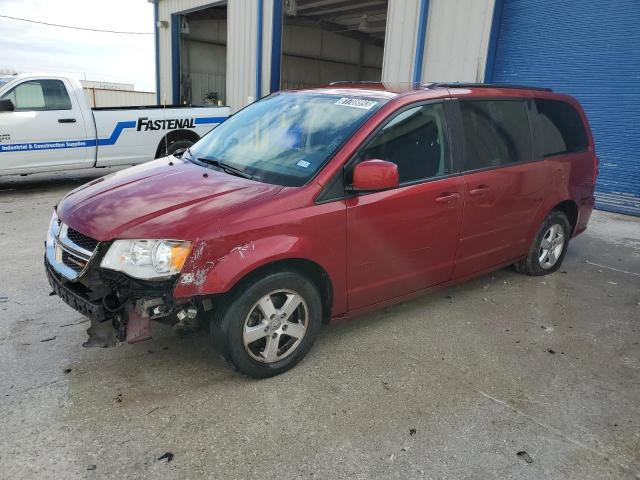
(335, 28)
(357, 7)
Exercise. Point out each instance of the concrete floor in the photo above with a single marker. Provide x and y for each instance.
(450, 386)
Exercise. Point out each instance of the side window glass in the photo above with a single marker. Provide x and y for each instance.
(415, 140)
(27, 96)
(561, 127)
(40, 95)
(496, 132)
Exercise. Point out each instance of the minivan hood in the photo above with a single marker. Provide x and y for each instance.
(165, 198)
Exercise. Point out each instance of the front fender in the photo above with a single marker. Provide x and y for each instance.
(206, 273)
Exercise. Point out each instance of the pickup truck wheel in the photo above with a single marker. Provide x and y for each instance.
(270, 326)
(178, 147)
(549, 246)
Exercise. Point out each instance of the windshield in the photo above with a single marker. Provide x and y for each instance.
(4, 80)
(286, 138)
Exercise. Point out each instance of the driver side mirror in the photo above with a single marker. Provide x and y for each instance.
(6, 105)
(375, 175)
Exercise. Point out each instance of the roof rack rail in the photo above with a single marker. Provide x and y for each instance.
(338, 82)
(483, 85)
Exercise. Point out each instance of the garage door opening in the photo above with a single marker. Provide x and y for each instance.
(203, 56)
(332, 40)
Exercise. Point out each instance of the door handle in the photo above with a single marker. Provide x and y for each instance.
(447, 197)
(479, 190)
(66, 120)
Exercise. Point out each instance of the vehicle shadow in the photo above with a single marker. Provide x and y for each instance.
(175, 357)
(50, 181)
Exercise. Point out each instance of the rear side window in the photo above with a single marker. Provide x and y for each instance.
(561, 128)
(39, 95)
(496, 133)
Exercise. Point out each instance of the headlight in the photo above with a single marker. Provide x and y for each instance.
(147, 259)
(54, 228)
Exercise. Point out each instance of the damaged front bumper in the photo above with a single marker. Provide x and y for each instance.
(119, 307)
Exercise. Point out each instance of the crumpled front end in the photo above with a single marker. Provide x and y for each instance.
(120, 307)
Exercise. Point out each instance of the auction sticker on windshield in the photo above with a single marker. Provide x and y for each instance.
(357, 103)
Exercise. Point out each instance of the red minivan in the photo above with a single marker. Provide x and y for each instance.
(316, 205)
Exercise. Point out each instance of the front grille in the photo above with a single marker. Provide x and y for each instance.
(75, 263)
(69, 251)
(82, 240)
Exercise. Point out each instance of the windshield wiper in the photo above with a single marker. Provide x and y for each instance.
(225, 167)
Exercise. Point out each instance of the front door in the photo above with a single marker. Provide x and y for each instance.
(403, 240)
(46, 130)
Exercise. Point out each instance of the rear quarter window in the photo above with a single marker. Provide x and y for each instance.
(561, 128)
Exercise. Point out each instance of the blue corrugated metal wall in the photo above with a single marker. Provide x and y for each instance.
(591, 50)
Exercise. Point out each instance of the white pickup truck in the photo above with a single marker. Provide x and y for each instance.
(46, 124)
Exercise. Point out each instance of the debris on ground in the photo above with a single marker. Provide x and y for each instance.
(412, 431)
(4, 299)
(74, 323)
(525, 456)
(92, 467)
(386, 385)
(167, 455)
(118, 398)
(551, 351)
(48, 339)
(66, 370)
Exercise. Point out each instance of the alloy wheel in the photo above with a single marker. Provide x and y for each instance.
(551, 246)
(275, 326)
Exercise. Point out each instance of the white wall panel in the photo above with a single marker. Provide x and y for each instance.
(267, 32)
(457, 40)
(400, 40)
(241, 52)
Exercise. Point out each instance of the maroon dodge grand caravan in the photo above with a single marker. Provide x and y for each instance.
(317, 205)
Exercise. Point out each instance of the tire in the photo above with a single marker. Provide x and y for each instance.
(553, 234)
(261, 344)
(178, 147)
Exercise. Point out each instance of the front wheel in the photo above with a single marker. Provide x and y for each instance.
(549, 246)
(270, 326)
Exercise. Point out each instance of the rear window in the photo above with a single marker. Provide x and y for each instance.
(561, 127)
(496, 133)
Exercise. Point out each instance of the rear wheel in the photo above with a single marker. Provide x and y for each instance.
(549, 246)
(270, 326)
